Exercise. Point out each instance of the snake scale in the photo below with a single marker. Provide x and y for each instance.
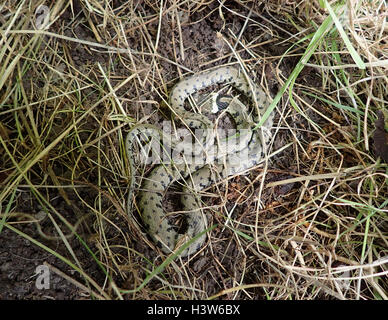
(198, 174)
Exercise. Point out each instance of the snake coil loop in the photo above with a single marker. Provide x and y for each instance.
(230, 156)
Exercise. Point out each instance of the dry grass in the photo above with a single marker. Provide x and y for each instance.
(309, 224)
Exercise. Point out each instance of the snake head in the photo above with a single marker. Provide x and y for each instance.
(222, 102)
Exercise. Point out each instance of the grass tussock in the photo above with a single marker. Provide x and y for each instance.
(310, 223)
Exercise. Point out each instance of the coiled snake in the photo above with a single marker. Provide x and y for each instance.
(229, 156)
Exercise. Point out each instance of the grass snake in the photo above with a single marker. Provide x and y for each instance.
(215, 158)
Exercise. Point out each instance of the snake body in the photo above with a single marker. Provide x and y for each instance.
(227, 158)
